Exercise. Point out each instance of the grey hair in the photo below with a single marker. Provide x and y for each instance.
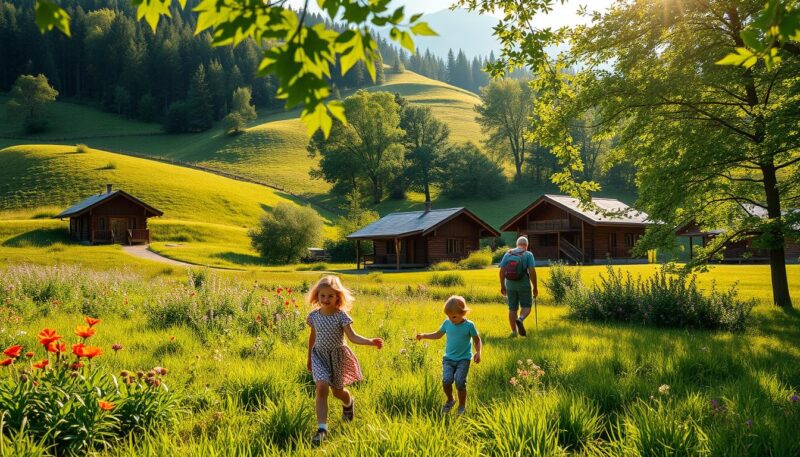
(522, 241)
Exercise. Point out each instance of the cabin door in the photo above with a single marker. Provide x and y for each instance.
(119, 226)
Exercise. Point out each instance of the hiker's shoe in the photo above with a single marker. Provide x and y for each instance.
(521, 328)
(319, 437)
(349, 411)
(513, 335)
(461, 410)
(448, 406)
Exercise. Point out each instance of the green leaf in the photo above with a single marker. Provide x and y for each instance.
(423, 29)
(336, 107)
(317, 119)
(415, 18)
(750, 38)
(152, 10)
(407, 42)
(742, 57)
(49, 15)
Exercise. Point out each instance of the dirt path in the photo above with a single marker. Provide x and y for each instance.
(141, 251)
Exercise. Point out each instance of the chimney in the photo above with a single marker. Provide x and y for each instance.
(108, 188)
(101, 190)
(427, 206)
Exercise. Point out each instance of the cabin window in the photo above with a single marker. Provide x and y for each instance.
(629, 240)
(455, 246)
(101, 223)
(390, 247)
(132, 223)
(612, 240)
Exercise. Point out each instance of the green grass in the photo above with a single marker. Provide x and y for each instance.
(599, 393)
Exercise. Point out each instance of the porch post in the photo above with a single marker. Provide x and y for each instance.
(690, 247)
(583, 245)
(358, 254)
(397, 252)
(558, 244)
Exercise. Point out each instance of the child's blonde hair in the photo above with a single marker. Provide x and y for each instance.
(344, 296)
(456, 304)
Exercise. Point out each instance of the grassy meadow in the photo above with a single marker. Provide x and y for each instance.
(244, 390)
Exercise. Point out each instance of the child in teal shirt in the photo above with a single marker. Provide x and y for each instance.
(461, 334)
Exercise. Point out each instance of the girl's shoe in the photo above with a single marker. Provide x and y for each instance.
(448, 406)
(349, 411)
(319, 437)
(461, 410)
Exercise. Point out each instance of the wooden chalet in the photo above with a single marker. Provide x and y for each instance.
(418, 239)
(559, 229)
(741, 251)
(109, 217)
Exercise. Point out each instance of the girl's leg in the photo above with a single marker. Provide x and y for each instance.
(342, 394)
(322, 402)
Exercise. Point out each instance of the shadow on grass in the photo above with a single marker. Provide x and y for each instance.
(38, 238)
(241, 259)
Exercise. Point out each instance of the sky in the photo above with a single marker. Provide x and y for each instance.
(561, 15)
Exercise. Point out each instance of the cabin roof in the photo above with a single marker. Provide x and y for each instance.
(97, 199)
(403, 224)
(623, 214)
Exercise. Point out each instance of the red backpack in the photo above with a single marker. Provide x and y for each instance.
(515, 268)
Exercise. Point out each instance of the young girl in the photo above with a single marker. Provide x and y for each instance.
(461, 334)
(332, 364)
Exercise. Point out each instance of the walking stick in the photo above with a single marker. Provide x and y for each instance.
(536, 314)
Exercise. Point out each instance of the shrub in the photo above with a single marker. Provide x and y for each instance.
(112, 165)
(70, 404)
(446, 280)
(319, 266)
(81, 148)
(285, 234)
(177, 120)
(234, 123)
(661, 300)
(476, 260)
(444, 266)
(561, 280)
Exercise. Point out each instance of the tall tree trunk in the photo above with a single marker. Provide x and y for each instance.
(376, 190)
(777, 255)
(427, 191)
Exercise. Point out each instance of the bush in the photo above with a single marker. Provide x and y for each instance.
(444, 266)
(477, 260)
(470, 173)
(446, 280)
(81, 148)
(234, 123)
(285, 234)
(177, 120)
(662, 300)
(561, 280)
(319, 266)
(70, 404)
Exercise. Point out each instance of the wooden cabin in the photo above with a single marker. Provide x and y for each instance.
(418, 239)
(113, 216)
(559, 229)
(741, 251)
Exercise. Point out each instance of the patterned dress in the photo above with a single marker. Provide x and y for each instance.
(331, 360)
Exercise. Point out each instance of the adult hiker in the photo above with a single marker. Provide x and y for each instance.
(518, 284)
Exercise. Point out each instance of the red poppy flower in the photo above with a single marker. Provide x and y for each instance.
(55, 347)
(13, 351)
(47, 336)
(41, 365)
(76, 366)
(84, 331)
(29, 354)
(92, 321)
(106, 405)
(6, 362)
(289, 290)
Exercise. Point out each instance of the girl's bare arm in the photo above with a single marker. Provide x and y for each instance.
(358, 339)
(311, 340)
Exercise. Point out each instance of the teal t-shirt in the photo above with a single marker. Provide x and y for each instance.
(459, 339)
(528, 262)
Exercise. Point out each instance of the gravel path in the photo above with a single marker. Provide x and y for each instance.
(141, 251)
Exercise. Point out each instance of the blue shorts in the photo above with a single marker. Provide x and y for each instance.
(519, 298)
(455, 370)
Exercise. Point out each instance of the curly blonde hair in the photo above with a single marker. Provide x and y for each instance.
(344, 297)
(456, 304)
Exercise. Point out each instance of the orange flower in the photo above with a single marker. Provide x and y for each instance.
(13, 351)
(91, 352)
(92, 321)
(56, 347)
(84, 331)
(6, 362)
(47, 336)
(106, 405)
(29, 354)
(42, 364)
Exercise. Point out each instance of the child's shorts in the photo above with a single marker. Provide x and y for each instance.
(455, 370)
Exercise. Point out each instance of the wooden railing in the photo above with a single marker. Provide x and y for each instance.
(571, 251)
(102, 236)
(138, 235)
(550, 225)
